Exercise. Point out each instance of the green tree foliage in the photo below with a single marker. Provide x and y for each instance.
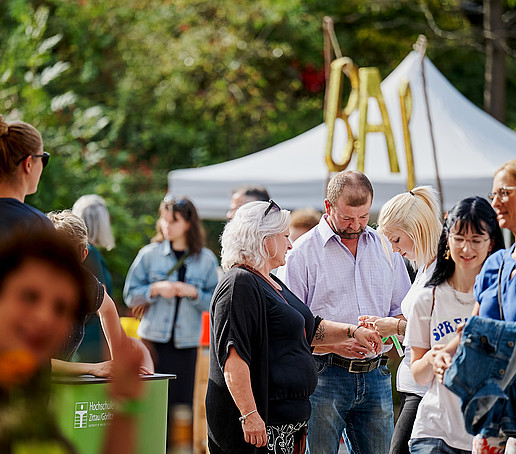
(124, 91)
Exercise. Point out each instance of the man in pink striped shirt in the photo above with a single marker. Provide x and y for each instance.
(342, 269)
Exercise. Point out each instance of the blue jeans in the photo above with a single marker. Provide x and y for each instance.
(357, 406)
(433, 446)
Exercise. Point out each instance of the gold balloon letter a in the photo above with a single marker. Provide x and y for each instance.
(365, 84)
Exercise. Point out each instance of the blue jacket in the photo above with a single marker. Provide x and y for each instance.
(152, 264)
(483, 375)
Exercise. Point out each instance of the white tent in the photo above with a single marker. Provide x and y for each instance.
(470, 145)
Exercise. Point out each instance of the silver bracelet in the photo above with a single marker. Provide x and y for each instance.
(244, 417)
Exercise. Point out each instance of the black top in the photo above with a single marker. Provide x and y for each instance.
(95, 297)
(273, 337)
(19, 217)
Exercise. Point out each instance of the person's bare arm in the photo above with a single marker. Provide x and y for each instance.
(421, 363)
(443, 359)
(238, 380)
(103, 369)
(332, 333)
(110, 322)
(385, 326)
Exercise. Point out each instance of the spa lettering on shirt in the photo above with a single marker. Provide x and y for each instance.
(447, 327)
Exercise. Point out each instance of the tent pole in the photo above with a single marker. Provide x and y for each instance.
(421, 48)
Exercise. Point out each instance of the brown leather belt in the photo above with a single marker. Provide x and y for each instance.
(355, 366)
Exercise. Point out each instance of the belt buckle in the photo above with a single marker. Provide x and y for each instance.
(358, 363)
(369, 365)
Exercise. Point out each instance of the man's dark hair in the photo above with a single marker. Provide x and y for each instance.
(254, 192)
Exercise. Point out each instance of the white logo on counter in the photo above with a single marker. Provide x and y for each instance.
(93, 414)
(81, 415)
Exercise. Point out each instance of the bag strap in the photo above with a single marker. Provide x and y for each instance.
(178, 264)
(176, 267)
(500, 284)
(433, 301)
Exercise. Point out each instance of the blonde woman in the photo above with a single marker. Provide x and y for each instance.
(411, 222)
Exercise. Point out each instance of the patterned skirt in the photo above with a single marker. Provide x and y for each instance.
(287, 438)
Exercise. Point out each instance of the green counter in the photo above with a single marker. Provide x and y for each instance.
(84, 409)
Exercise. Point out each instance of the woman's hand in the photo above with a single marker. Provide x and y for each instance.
(367, 321)
(186, 290)
(254, 429)
(168, 289)
(369, 339)
(384, 326)
(442, 361)
(103, 369)
(433, 352)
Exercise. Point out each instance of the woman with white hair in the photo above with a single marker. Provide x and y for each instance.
(261, 367)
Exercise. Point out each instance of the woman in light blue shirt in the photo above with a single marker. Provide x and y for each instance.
(171, 281)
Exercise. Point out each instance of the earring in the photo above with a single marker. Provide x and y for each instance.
(447, 253)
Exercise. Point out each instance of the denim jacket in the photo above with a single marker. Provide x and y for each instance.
(152, 264)
(483, 375)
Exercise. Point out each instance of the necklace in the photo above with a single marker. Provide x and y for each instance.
(457, 293)
(255, 271)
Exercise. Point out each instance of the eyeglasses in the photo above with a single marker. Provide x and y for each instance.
(44, 158)
(273, 207)
(503, 194)
(459, 241)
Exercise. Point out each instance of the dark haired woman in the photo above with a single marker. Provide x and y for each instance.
(173, 278)
(503, 201)
(22, 160)
(470, 234)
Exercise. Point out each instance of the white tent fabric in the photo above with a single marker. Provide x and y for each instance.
(470, 145)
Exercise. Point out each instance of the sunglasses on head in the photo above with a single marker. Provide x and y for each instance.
(44, 158)
(175, 202)
(273, 207)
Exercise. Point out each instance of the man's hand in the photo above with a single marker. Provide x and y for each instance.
(350, 348)
(369, 339)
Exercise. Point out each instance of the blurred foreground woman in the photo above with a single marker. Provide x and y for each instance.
(41, 297)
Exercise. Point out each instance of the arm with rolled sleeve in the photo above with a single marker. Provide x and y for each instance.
(137, 288)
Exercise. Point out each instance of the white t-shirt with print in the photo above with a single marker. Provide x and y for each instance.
(404, 380)
(439, 414)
